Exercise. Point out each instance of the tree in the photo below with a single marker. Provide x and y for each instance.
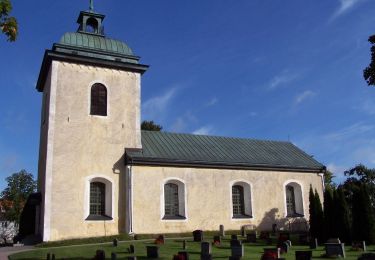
(150, 126)
(329, 216)
(369, 71)
(8, 24)
(342, 222)
(319, 217)
(20, 186)
(362, 216)
(328, 180)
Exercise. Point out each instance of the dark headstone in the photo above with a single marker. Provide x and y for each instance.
(131, 258)
(184, 245)
(283, 236)
(206, 257)
(131, 249)
(217, 240)
(335, 249)
(284, 247)
(221, 230)
(100, 255)
(152, 251)
(235, 242)
(205, 248)
(237, 251)
(303, 255)
(367, 256)
(115, 242)
(334, 241)
(359, 245)
(314, 243)
(113, 256)
(264, 235)
(234, 237)
(53, 257)
(48, 256)
(185, 255)
(251, 238)
(198, 235)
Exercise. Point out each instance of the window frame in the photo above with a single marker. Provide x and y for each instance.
(248, 203)
(299, 207)
(99, 111)
(182, 200)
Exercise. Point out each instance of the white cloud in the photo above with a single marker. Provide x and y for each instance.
(283, 78)
(153, 107)
(205, 130)
(304, 95)
(212, 101)
(345, 6)
(353, 130)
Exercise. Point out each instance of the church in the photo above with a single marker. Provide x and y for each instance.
(99, 174)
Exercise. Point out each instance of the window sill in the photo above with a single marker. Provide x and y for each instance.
(295, 215)
(174, 218)
(242, 216)
(98, 217)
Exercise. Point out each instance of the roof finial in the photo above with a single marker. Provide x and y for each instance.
(91, 5)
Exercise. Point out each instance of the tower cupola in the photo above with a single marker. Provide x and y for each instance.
(90, 21)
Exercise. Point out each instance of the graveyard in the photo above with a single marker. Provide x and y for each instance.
(201, 246)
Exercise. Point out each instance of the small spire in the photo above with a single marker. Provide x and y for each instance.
(91, 5)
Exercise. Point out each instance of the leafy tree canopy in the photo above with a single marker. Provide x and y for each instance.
(328, 180)
(8, 24)
(14, 196)
(369, 72)
(150, 126)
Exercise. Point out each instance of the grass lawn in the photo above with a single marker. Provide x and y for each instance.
(171, 247)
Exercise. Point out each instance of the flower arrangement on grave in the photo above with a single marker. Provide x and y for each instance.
(179, 257)
(216, 243)
(269, 256)
(159, 240)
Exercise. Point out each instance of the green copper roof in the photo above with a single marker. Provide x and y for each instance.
(95, 42)
(170, 148)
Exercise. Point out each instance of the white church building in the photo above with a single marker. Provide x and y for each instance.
(99, 174)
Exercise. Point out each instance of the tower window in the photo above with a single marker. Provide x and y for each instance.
(98, 100)
(92, 25)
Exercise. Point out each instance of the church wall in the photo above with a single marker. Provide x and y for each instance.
(86, 146)
(208, 198)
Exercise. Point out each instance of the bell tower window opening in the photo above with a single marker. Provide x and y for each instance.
(98, 100)
(92, 25)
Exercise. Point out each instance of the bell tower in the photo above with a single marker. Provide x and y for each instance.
(91, 112)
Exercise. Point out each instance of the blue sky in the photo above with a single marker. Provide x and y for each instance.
(265, 69)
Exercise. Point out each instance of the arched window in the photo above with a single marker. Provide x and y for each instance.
(294, 200)
(241, 200)
(98, 100)
(92, 25)
(174, 200)
(238, 200)
(97, 199)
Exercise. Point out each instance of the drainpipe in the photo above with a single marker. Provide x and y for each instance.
(130, 199)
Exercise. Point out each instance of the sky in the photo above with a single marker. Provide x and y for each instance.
(263, 69)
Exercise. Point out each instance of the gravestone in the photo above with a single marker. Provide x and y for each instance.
(367, 256)
(334, 241)
(132, 258)
(289, 243)
(359, 245)
(251, 238)
(48, 256)
(243, 231)
(100, 255)
(335, 249)
(205, 248)
(314, 243)
(184, 245)
(233, 237)
(284, 247)
(152, 251)
(234, 258)
(113, 256)
(237, 251)
(275, 251)
(235, 242)
(221, 230)
(185, 255)
(217, 240)
(303, 255)
(115, 242)
(198, 235)
(131, 249)
(53, 257)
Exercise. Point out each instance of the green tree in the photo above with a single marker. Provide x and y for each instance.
(150, 126)
(369, 71)
(20, 186)
(342, 223)
(329, 214)
(312, 211)
(8, 24)
(362, 216)
(328, 180)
